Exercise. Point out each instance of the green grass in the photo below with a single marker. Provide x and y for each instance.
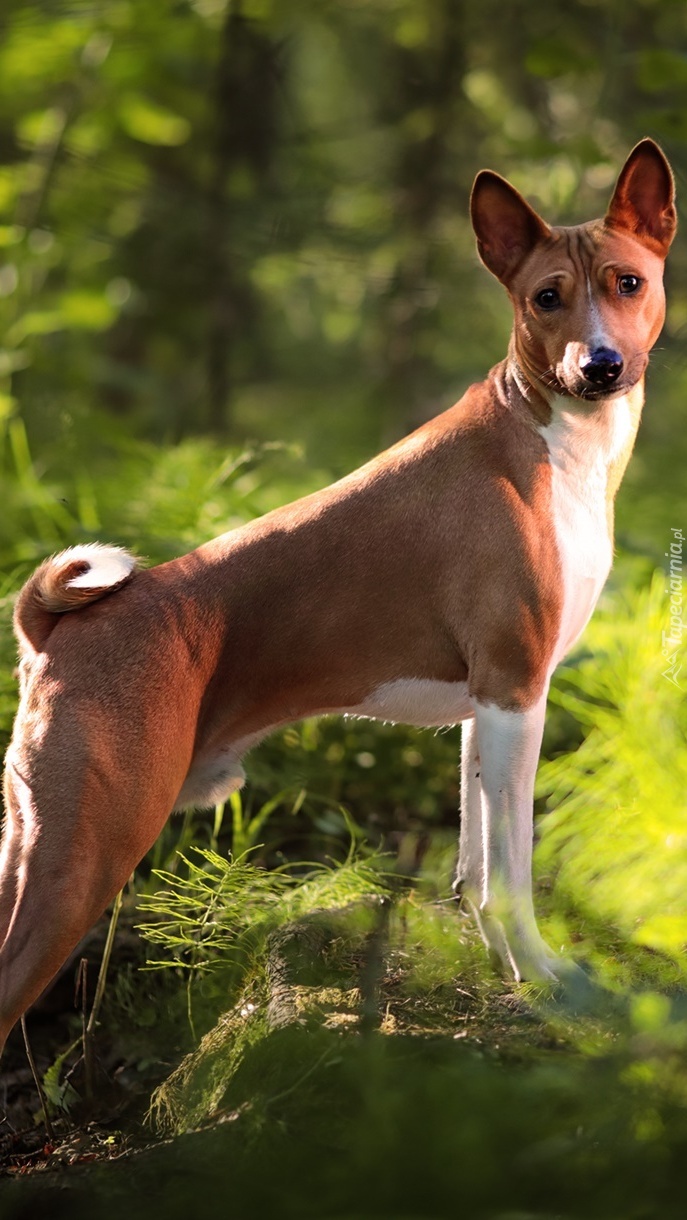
(614, 843)
(464, 1099)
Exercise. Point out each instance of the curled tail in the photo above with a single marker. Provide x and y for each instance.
(67, 581)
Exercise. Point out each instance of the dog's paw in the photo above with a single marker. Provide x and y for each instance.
(520, 953)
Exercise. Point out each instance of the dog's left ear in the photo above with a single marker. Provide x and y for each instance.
(643, 201)
(505, 225)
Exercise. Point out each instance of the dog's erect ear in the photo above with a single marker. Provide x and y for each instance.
(507, 228)
(643, 201)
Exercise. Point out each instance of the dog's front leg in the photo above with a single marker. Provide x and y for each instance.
(508, 752)
(469, 879)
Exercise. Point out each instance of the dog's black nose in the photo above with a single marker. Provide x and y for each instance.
(603, 366)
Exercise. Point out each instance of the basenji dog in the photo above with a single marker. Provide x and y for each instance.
(441, 582)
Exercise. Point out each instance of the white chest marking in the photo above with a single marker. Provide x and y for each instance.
(583, 440)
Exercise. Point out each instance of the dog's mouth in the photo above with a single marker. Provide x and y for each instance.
(593, 393)
(587, 389)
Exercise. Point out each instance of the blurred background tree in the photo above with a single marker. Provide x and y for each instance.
(250, 218)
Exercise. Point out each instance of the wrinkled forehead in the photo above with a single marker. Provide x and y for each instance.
(588, 252)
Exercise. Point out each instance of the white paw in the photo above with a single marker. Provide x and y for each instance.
(520, 952)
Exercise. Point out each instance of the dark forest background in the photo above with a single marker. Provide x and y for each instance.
(249, 220)
(236, 261)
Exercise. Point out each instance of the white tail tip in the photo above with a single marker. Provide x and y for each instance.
(107, 565)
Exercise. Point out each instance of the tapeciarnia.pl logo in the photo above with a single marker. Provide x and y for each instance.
(671, 642)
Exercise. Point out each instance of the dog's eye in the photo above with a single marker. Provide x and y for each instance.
(628, 284)
(548, 298)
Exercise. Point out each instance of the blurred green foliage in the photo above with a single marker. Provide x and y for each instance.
(235, 260)
(252, 217)
(615, 836)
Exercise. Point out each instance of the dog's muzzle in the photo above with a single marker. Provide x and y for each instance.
(602, 368)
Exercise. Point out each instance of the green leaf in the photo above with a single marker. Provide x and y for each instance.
(85, 310)
(35, 322)
(150, 123)
(660, 69)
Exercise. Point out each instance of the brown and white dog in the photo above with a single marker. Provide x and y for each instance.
(441, 582)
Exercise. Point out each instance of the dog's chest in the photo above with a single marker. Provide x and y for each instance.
(583, 445)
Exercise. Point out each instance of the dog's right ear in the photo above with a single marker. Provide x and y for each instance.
(643, 201)
(507, 228)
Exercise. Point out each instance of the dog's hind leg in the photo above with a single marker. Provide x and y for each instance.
(81, 811)
(10, 859)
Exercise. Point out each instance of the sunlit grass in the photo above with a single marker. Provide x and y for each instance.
(615, 840)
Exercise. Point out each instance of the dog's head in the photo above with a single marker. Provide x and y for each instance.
(588, 300)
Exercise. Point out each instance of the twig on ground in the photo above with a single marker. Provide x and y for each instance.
(37, 1081)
